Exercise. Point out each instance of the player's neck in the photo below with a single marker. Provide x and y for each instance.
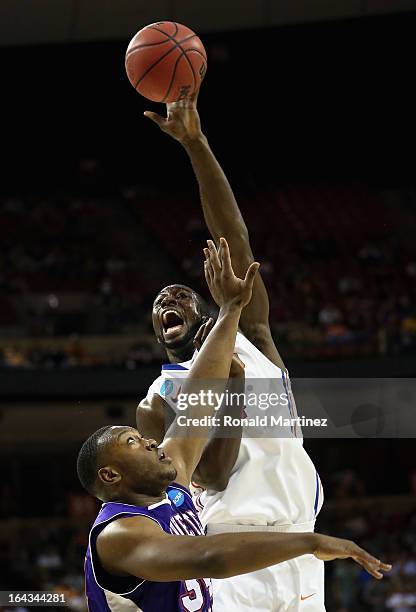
(140, 499)
(180, 355)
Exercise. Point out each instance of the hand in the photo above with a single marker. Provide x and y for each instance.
(226, 288)
(237, 368)
(182, 121)
(202, 333)
(329, 548)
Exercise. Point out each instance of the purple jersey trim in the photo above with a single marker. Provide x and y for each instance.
(175, 515)
(107, 522)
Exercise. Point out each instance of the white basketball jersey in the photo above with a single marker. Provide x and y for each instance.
(273, 481)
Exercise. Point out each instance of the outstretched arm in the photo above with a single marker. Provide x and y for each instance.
(210, 370)
(221, 452)
(222, 215)
(136, 546)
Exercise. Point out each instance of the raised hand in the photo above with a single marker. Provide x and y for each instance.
(225, 287)
(329, 548)
(182, 121)
(203, 332)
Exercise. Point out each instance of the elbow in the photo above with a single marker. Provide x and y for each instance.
(219, 484)
(213, 564)
(214, 482)
(242, 234)
(238, 240)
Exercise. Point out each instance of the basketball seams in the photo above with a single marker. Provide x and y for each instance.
(177, 44)
(190, 65)
(140, 46)
(173, 78)
(153, 27)
(155, 64)
(194, 50)
(173, 39)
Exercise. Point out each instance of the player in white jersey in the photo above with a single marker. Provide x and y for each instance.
(261, 483)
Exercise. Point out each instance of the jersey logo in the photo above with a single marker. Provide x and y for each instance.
(175, 399)
(302, 598)
(166, 388)
(177, 497)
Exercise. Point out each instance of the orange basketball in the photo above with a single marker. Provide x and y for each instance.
(166, 61)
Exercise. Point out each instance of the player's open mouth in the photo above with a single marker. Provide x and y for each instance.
(172, 323)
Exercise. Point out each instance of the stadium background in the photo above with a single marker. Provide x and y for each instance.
(310, 109)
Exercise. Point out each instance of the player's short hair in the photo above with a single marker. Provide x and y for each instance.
(203, 305)
(87, 459)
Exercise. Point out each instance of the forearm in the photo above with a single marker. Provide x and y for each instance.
(218, 556)
(239, 553)
(214, 359)
(223, 218)
(219, 205)
(217, 461)
(221, 452)
(202, 392)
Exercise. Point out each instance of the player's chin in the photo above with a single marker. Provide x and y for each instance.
(177, 340)
(170, 474)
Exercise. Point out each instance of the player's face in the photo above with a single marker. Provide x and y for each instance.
(144, 467)
(176, 316)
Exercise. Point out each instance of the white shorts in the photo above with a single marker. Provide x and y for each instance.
(296, 586)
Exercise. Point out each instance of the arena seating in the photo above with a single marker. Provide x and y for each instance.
(339, 283)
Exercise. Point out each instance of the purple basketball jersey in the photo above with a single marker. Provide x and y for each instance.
(107, 593)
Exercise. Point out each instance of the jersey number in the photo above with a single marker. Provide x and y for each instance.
(193, 600)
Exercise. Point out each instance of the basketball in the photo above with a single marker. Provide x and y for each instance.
(166, 61)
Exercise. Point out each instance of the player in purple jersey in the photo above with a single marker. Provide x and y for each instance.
(143, 553)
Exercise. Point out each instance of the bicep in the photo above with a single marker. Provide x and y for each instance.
(261, 336)
(254, 320)
(257, 310)
(214, 468)
(137, 546)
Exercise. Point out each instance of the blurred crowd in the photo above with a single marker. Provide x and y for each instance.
(75, 353)
(48, 555)
(339, 265)
(42, 546)
(388, 535)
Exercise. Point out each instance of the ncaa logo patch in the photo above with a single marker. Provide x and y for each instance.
(166, 388)
(177, 497)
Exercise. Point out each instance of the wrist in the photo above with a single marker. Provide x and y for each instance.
(237, 374)
(230, 309)
(194, 143)
(312, 540)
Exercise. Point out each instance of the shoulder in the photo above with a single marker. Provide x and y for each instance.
(123, 538)
(155, 386)
(127, 531)
(171, 376)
